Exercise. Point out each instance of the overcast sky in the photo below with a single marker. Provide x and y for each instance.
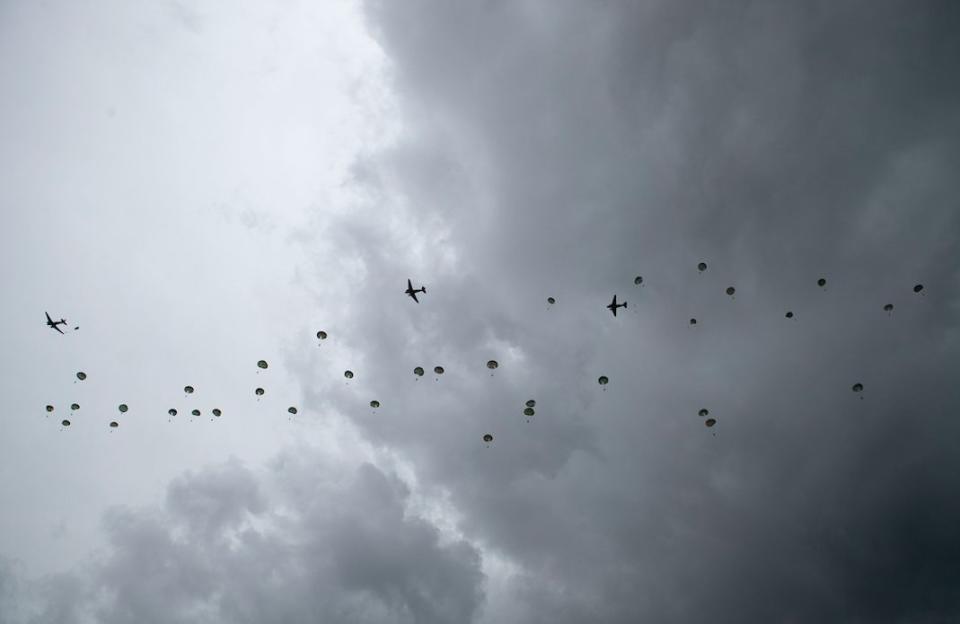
(199, 185)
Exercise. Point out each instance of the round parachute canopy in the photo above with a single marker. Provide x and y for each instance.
(693, 321)
(374, 404)
(65, 423)
(603, 380)
(49, 408)
(551, 300)
(188, 389)
(492, 364)
(292, 410)
(74, 406)
(638, 280)
(195, 412)
(322, 335)
(172, 411)
(888, 307)
(704, 412)
(262, 364)
(918, 288)
(857, 387)
(731, 290)
(487, 438)
(259, 391)
(348, 374)
(702, 267)
(528, 411)
(81, 375)
(217, 412)
(114, 424)
(789, 314)
(122, 407)
(438, 370)
(710, 422)
(531, 403)
(821, 282)
(418, 371)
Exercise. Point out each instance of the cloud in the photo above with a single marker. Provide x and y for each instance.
(302, 541)
(563, 150)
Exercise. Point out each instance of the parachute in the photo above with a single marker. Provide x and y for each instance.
(821, 282)
(262, 364)
(731, 290)
(487, 438)
(65, 423)
(603, 380)
(259, 391)
(551, 300)
(918, 288)
(74, 406)
(123, 408)
(789, 314)
(81, 375)
(888, 307)
(292, 410)
(49, 408)
(348, 374)
(492, 364)
(418, 371)
(438, 370)
(322, 335)
(693, 321)
(374, 404)
(638, 280)
(531, 403)
(172, 411)
(195, 412)
(702, 267)
(217, 412)
(857, 387)
(114, 424)
(528, 411)
(188, 389)
(710, 422)
(704, 412)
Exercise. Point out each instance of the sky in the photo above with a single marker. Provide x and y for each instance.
(201, 185)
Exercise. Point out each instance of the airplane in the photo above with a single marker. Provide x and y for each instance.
(413, 292)
(52, 323)
(614, 305)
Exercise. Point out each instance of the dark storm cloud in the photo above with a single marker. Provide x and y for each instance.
(288, 546)
(563, 149)
(560, 149)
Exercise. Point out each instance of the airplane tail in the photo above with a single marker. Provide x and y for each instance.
(63, 321)
(624, 304)
(424, 289)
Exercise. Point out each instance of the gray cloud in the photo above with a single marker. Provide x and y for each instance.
(563, 150)
(560, 149)
(302, 542)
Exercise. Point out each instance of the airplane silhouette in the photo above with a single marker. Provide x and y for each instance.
(614, 305)
(413, 291)
(52, 323)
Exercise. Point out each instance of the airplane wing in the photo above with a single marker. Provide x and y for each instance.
(410, 285)
(414, 295)
(57, 328)
(614, 308)
(49, 320)
(614, 302)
